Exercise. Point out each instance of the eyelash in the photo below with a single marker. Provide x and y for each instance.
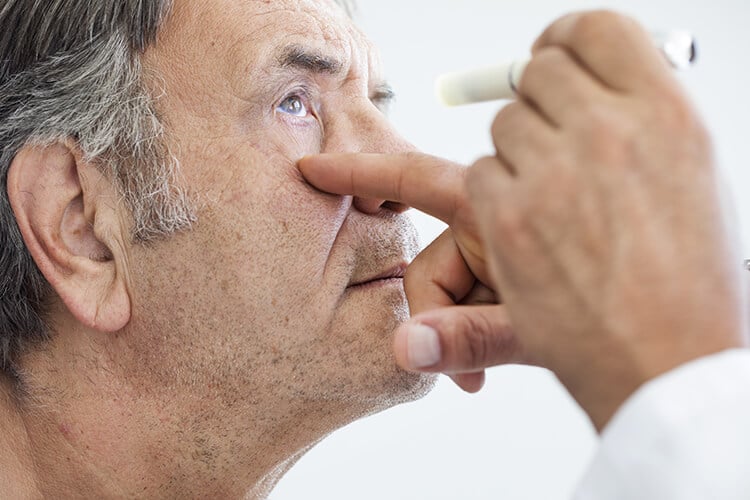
(381, 100)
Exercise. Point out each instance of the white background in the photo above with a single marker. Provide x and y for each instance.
(522, 437)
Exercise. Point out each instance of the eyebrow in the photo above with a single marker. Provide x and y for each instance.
(304, 59)
(301, 58)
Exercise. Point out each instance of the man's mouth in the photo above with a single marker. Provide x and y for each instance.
(394, 275)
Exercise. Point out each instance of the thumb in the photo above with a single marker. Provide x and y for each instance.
(457, 340)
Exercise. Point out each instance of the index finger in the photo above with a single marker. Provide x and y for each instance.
(613, 47)
(429, 184)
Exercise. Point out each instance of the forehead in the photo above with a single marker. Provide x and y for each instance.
(250, 30)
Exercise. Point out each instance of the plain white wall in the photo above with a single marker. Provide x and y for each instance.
(522, 437)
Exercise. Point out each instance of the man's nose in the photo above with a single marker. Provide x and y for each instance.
(373, 206)
(368, 131)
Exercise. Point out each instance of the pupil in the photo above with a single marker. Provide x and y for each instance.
(294, 105)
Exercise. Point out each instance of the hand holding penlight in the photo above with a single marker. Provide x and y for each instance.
(500, 81)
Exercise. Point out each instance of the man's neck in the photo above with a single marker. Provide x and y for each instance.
(88, 426)
(143, 447)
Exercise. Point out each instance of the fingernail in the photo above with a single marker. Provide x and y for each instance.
(423, 346)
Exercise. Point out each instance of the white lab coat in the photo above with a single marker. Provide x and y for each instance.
(682, 436)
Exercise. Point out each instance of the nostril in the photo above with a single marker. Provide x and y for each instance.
(372, 206)
(393, 206)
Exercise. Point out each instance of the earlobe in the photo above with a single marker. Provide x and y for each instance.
(67, 213)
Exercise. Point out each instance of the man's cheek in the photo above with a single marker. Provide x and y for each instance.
(292, 141)
(297, 204)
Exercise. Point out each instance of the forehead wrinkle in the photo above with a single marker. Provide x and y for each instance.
(248, 50)
(260, 51)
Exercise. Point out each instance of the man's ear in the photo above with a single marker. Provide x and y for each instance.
(67, 213)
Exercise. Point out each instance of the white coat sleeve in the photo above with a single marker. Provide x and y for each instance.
(682, 436)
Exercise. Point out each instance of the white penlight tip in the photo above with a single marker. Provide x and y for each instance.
(478, 85)
(501, 81)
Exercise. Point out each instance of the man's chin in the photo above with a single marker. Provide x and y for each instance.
(405, 388)
(416, 386)
(360, 369)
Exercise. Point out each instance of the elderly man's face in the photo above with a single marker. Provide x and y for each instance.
(258, 300)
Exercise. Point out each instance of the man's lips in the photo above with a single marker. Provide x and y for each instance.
(392, 273)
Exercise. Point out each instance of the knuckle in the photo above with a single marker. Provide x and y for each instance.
(419, 281)
(507, 117)
(477, 348)
(549, 57)
(418, 274)
(508, 126)
(479, 167)
(486, 343)
(551, 63)
(593, 25)
(501, 122)
(476, 175)
(470, 344)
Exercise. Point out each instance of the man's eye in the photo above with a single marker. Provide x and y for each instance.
(293, 105)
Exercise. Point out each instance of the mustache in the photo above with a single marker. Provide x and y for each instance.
(382, 247)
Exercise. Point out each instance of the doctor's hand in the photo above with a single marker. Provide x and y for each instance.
(457, 326)
(603, 217)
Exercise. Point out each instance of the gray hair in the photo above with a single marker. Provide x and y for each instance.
(70, 69)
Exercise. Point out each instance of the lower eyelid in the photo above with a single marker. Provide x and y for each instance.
(300, 121)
